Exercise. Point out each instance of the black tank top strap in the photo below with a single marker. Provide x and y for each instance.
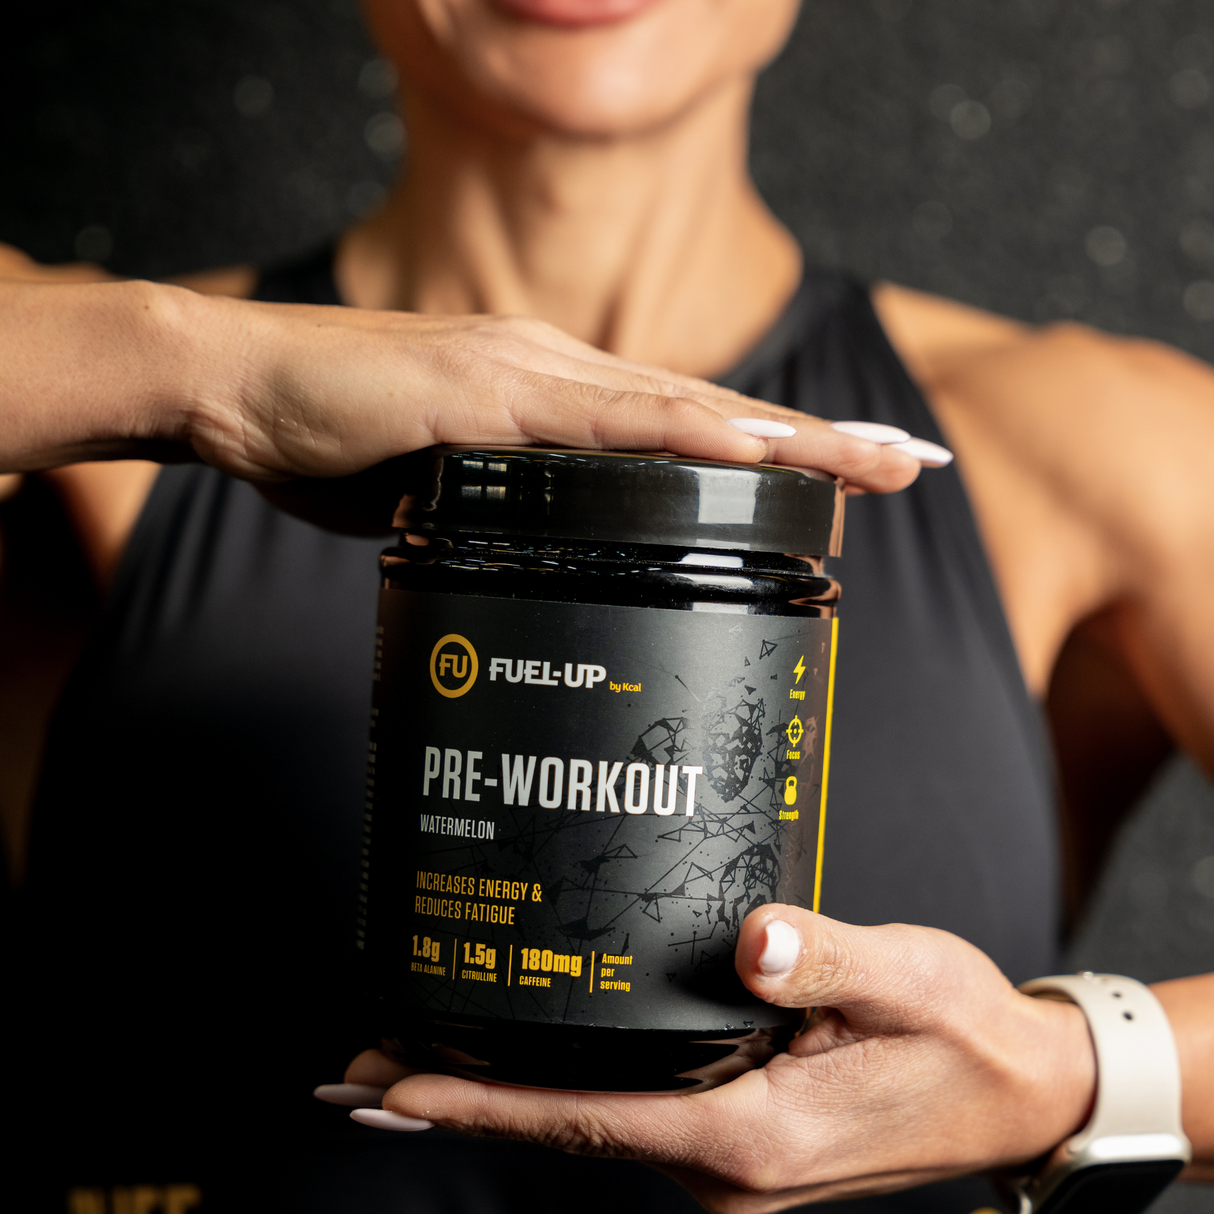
(829, 352)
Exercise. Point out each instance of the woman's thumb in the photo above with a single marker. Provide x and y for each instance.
(794, 958)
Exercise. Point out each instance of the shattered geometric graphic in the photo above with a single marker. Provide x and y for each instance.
(733, 740)
(661, 742)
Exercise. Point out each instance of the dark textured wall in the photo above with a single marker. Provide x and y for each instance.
(1046, 158)
(160, 138)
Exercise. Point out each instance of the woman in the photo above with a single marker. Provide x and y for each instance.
(583, 162)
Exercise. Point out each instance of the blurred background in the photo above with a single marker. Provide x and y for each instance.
(1045, 158)
(1048, 159)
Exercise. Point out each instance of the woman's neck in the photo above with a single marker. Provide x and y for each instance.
(655, 247)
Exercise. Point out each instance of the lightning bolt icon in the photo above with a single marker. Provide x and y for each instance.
(799, 668)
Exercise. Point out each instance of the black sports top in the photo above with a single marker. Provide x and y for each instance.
(189, 910)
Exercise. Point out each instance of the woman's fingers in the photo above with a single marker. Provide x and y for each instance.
(373, 1068)
(658, 1128)
(368, 1079)
(863, 464)
(875, 432)
(768, 420)
(627, 420)
(930, 455)
(557, 412)
(750, 1146)
(837, 449)
(352, 1095)
(385, 1119)
(862, 453)
(795, 958)
(762, 427)
(572, 365)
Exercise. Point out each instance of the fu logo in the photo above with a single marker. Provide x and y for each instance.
(453, 666)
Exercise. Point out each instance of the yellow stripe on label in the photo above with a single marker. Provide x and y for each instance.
(830, 711)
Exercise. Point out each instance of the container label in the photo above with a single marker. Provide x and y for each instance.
(572, 807)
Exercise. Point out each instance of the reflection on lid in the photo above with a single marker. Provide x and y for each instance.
(727, 495)
(712, 558)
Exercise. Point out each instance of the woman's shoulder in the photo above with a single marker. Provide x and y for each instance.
(1086, 456)
(928, 331)
(936, 337)
(1105, 418)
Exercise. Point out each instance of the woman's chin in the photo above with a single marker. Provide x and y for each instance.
(575, 14)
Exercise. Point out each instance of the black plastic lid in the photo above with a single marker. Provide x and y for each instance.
(607, 496)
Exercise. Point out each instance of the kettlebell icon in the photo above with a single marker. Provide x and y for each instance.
(790, 790)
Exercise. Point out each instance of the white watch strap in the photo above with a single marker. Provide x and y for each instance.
(1137, 1111)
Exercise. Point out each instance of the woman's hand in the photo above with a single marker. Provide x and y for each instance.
(271, 392)
(335, 390)
(921, 1063)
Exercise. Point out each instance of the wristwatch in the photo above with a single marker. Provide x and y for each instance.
(1133, 1146)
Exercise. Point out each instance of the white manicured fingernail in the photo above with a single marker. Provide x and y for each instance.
(354, 1095)
(875, 432)
(781, 950)
(384, 1119)
(761, 427)
(931, 454)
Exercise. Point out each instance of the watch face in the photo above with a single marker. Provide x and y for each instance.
(1112, 1188)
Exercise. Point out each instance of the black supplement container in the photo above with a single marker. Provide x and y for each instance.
(600, 737)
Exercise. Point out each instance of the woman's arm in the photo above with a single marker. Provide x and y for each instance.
(1189, 1003)
(928, 1064)
(269, 392)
